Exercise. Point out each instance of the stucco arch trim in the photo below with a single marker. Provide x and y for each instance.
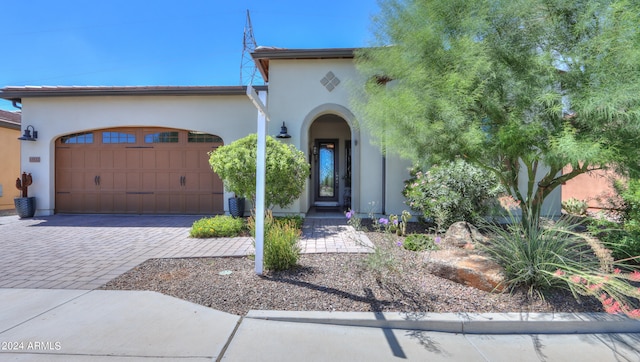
(349, 117)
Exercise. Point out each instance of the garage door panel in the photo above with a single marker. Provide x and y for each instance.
(119, 159)
(133, 182)
(91, 202)
(149, 180)
(175, 161)
(196, 159)
(148, 159)
(64, 201)
(134, 159)
(148, 203)
(63, 158)
(107, 159)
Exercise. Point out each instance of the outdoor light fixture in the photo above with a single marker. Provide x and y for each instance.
(283, 132)
(27, 136)
(315, 153)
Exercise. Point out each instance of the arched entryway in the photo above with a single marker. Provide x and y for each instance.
(330, 145)
(137, 171)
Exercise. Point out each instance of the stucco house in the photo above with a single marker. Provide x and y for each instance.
(143, 150)
(10, 161)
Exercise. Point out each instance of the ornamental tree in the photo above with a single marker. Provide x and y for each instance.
(286, 170)
(508, 85)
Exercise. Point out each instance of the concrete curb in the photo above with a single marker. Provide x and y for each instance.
(468, 323)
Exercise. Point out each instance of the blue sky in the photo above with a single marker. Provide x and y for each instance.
(162, 42)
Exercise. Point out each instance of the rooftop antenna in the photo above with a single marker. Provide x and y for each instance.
(248, 68)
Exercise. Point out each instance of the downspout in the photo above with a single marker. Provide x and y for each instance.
(384, 183)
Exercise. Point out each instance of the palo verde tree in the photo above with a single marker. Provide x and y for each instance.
(286, 170)
(518, 87)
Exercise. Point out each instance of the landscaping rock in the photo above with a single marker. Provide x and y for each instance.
(462, 235)
(465, 267)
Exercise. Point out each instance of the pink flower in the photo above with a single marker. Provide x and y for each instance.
(595, 286)
(603, 296)
(634, 313)
(616, 271)
(635, 276)
(613, 308)
(559, 273)
(576, 279)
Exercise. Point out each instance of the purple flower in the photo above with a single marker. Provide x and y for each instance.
(349, 214)
(437, 240)
(395, 222)
(383, 221)
(399, 243)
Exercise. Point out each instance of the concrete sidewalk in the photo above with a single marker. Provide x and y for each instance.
(75, 325)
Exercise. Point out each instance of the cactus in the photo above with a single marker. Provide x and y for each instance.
(23, 185)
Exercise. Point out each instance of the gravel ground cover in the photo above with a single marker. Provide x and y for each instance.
(393, 279)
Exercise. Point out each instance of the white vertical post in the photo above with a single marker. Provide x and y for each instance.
(260, 183)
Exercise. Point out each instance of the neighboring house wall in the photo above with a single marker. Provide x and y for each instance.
(594, 187)
(10, 160)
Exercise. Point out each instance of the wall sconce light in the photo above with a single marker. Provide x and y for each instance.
(283, 132)
(29, 134)
(315, 153)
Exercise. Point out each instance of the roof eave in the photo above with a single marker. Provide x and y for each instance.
(18, 93)
(262, 56)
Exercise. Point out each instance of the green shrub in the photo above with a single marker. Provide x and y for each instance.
(281, 249)
(296, 220)
(419, 242)
(531, 255)
(574, 206)
(623, 238)
(543, 258)
(217, 226)
(456, 191)
(286, 174)
(624, 242)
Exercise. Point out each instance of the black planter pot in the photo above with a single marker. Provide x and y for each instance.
(25, 206)
(236, 206)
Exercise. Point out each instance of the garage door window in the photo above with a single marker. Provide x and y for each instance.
(118, 137)
(76, 138)
(161, 137)
(199, 137)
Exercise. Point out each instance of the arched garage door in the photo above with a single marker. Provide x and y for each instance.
(137, 171)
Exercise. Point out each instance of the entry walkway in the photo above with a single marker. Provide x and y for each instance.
(86, 251)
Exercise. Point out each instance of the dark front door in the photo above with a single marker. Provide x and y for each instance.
(326, 171)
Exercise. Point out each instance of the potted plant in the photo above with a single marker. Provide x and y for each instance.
(236, 206)
(25, 205)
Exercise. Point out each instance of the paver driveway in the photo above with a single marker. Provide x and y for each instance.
(86, 251)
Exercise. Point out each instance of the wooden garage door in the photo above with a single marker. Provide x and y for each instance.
(138, 171)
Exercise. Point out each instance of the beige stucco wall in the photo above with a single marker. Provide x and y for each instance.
(9, 166)
(230, 117)
(297, 97)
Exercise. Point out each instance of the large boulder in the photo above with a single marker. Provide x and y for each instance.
(466, 267)
(461, 234)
